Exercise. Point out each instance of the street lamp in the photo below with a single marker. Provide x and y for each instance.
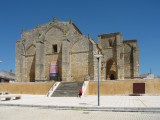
(98, 56)
(1, 61)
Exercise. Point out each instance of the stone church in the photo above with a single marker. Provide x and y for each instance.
(59, 51)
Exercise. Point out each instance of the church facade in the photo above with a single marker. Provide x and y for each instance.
(59, 51)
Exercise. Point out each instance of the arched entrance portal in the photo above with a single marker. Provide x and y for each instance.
(111, 77)
(111, 70)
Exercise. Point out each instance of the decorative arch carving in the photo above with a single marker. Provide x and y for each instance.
(71, 48)
(79, 45)
(31, 50)
(111, 69)
(128, 45)
(53, 26)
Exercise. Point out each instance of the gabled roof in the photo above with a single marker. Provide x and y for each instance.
(53, 23)
(77, 28)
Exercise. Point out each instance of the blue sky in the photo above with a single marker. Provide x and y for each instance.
(135, 19)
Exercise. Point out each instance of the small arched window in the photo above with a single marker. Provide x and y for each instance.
(110, 43)
(54, 48)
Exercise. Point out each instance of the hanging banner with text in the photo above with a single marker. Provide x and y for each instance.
(54, 69)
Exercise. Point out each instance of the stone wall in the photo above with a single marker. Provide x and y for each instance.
(26, 88)
(35, 51)
(63, 42)
(121, 58)
(112, 47)
(131, 58)
(122, 87)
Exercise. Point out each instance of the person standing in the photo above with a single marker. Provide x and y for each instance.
(80, 92)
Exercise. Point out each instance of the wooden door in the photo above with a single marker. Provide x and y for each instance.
(138, 88)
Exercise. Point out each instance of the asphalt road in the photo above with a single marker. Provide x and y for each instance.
(33, 113)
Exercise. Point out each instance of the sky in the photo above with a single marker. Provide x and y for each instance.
(135, 19)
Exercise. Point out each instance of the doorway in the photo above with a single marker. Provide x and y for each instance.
(111, 70)
(112, 77)
(138, 88)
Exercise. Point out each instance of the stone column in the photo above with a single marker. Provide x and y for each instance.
(135, 62)
(119, 60)
(66, 60)
(19, 59)
(39, 65)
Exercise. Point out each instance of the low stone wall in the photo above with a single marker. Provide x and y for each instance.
(39, 88)
(116, 87)
(122, 87)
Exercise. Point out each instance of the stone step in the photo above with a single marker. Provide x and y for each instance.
(68, 89)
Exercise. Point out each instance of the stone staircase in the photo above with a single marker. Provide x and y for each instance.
(67, 89)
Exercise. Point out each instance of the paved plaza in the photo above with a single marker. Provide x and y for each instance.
(88, 101)
(68, 108)
(34, 113)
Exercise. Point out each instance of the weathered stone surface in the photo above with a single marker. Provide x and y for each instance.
(121, 58)
(63, 42)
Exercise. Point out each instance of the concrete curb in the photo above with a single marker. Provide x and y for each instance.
(111, 109)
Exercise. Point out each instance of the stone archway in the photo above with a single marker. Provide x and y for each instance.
(112, 77)
(111, 70)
